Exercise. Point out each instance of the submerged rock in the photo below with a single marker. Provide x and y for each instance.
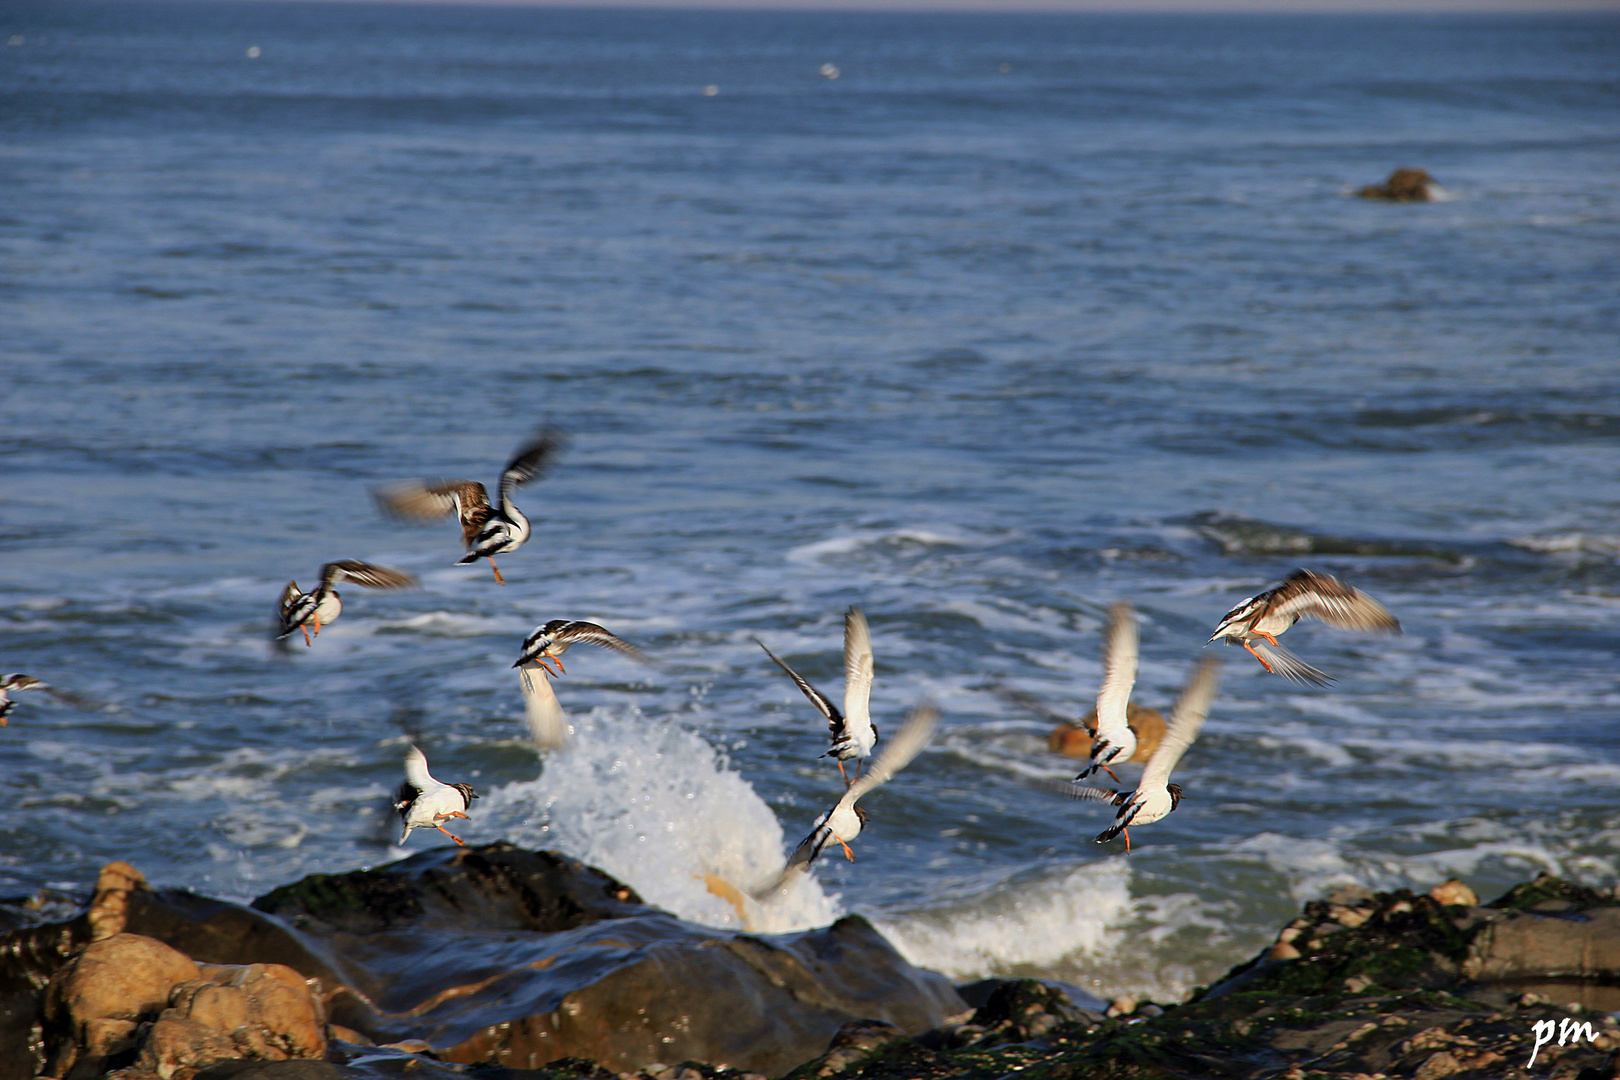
(1403, 185)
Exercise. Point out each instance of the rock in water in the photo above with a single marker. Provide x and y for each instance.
(484, 954)
(1403, 185)
(520, 958)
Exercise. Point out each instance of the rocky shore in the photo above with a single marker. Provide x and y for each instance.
(496, 962)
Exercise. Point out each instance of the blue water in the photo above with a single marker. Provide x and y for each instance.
(1016, 317)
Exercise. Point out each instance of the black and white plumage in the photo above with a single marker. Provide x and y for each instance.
(852, 731)
(1256, 622)
(1155, 797)
(845, 820)
(1115, 740)
(302, 611)
(18, 682)
(487, 530)
(550, 640)
(423, 802)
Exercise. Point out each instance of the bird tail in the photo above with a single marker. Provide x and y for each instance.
(1289, 666)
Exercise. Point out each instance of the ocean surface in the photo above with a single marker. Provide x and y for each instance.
(1015, 317)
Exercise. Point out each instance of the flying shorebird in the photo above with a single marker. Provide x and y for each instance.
(423, 802)
(487, 531)
(853, 733)
(1259, 619)
(301, 610)
(1155, 796)
(1115, 740)
(17, 682)
(549, 641)
(844, 821)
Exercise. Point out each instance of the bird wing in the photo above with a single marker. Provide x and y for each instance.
(1185, 720)
(1083, 792)
(1288, 665)
(365, 574)
(542, 712)
(1119, 672)
(416, 771)
(530, 461)
(1320, 596)
(289, 597)
(592, 634)
(857, 672)
(420, 500)
(817, 698)
(898, 751)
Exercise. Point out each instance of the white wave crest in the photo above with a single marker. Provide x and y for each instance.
(656, 806)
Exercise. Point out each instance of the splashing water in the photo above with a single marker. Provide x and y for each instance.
(658, 807)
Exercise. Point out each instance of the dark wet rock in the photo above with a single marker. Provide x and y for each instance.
(489, 955)
(1403, 185)
(1369, 985)
(1022, 1009)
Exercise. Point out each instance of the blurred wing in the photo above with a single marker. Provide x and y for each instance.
(898, 751)
(422, 501)
(1083, 792)
(817, 698)
(366, 574)
(289, 597)
(857, 670)
(548, 724)
(1320, 596)
(592, 634)
(809, 848)
(530, 461)
(1288, 665)
(416, 771)
(1185, 721)
(1119, 672)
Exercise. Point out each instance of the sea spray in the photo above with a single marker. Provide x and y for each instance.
(657, 806)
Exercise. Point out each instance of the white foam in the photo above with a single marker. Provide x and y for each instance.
(1083, 926)
(657, 806)
(1019, 925)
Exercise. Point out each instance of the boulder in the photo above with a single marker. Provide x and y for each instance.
(491, 954)
(1403, 185)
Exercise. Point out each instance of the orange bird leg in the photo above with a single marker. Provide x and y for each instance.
(457, 813)
(1127, 833)
(1110, 772)
(498, 579)
(317, 624)
(845, 775)
(1269, 637)
(555, 659)
(848, 854)
(305, 629)
(541, 660)
(450, 834)
(1260, 658)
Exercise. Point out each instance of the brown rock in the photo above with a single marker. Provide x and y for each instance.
(108, 907)
(123, 977)
(1520, 946)
(1454, 893)
(1403, 185)
(1074, 740)
(176, 1042)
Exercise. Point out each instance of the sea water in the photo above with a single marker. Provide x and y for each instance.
(1016, 317)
